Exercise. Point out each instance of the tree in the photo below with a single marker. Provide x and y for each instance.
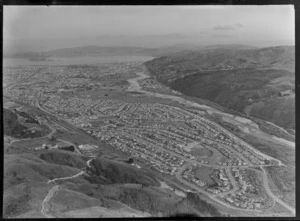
(52, 138)
(130, 160)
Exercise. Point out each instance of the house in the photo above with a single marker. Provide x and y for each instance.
(230, 200)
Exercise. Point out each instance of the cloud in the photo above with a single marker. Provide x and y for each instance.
(228, 27)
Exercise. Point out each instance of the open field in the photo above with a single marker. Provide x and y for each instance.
(201, 152)
(203, 173)
(216, 157)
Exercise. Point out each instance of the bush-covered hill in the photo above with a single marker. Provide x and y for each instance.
(61, 157)
(117, 172)
(257, 82)
(11, 125)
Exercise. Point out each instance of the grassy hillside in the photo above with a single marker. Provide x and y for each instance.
(194, 203)
(146, 199)
(247, 90)
(11, 125)
(257, 82)
(117, 172)
(61, 157)
(280, 57)
(25, 175)
(284, 180)
(110, 185)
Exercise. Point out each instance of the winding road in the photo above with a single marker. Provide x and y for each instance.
(66, 178)
(266, 185)
(209, 195)
(46, 202)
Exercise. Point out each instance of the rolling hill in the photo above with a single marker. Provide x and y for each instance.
(117, 172)
(11, 125)
(121, 190)
(257, 82)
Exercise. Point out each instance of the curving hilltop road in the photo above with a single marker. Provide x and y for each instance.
(46, 202)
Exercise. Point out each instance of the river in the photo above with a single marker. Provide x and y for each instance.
(248, 125)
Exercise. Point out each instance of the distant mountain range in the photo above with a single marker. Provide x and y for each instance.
(255, 81)
(95, 51)
(86, 51)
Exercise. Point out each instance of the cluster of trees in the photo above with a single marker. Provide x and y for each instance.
(121, 172)
(68, 148)
(130, 160)
(138, 200)
(202, 205)
(29, 119)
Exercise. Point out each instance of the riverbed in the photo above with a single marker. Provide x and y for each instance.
(248, 125)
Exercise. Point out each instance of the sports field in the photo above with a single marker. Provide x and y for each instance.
(201, 152)
(203, 173)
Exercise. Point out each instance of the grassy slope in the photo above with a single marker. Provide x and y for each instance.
(284, 179)
(121, 173)
(26, 176)
(11, 125)
(61, 157)
(233, 89)
(147, 199)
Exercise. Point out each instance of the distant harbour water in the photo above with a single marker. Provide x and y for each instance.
(84, 60)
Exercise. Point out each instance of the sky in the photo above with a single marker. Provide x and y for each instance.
(254, 25)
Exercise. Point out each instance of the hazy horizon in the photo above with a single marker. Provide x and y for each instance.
(40, 28)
